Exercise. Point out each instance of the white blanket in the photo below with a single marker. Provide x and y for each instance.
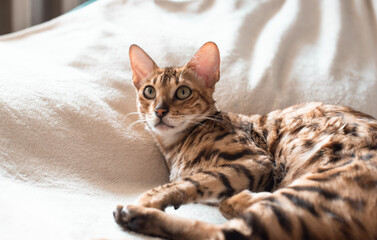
(68, 154)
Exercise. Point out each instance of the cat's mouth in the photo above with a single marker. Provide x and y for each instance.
(161, 125)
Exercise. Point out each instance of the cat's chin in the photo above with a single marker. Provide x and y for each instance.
(163, 129)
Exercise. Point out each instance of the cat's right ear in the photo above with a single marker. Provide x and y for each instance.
(141, 64)
(206, 64)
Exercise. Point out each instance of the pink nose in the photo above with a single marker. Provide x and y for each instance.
(161, 112)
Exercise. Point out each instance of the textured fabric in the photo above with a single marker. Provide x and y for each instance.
(70, 150)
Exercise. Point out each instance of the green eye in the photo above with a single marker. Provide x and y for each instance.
(183, 92)
(149, 92)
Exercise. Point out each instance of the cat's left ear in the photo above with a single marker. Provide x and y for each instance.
(141, 64)
(206, 64)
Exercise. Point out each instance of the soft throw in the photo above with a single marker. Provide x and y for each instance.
(70, 146)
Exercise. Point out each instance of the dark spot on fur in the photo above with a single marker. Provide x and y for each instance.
(334, 159)
(196, 184)
(280, 173)
(258, 140)
(321, 191)
(236, 155)
(204, 154)
(243, 140)
(280, 152)
(259, 230)
(351, 130)
(373, 146)
(270, 182)
(301, 203)
(198, 157)
(260, 182)
(265, 133)
(262, 120)
(233, 235)
(297, 129)
(336, 147)
(306, 234)
(229, 190)
(282, 217)
(245, 171)
(221, 136)
(165, 79)
(308, 143)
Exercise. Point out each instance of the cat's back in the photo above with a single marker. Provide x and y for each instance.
(316, 110)
(316, 120)
(314, 136)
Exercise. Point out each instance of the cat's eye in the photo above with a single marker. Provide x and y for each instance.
(149, 92)
(183, 92)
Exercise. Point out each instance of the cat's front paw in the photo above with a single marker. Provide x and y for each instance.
(120, 216)
(130, 217)
(153, 200)
(151, 203)
(138, 219)
(162, 197)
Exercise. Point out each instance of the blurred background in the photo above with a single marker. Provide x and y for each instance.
(19, 14)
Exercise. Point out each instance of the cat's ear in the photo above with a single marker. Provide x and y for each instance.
(141, 64)
(206, 64)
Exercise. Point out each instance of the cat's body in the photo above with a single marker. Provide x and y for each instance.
(305, 172)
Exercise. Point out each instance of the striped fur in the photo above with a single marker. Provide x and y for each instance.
(305, 172)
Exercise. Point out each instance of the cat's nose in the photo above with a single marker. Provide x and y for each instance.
(161, 110)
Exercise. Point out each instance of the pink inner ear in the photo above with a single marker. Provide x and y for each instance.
(142, 65)
(206, 63)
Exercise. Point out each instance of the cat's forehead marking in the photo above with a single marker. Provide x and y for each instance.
(166, 76)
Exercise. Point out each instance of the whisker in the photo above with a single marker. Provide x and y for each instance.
(219, 121)
(214, 118)
(133, 113)
(196, 122)
(202, 117)
(136, 122)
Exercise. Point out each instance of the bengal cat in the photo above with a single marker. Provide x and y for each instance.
(305, 172)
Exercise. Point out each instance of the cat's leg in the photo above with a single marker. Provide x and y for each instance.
(325, 205)
(213, 184)
(305, 209)
(154, 222)
(236, 205)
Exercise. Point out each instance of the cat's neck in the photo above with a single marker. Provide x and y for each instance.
(167, 143)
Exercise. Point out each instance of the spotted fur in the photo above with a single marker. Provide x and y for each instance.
(305, 172)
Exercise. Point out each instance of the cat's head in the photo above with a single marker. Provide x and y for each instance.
(175, 98)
